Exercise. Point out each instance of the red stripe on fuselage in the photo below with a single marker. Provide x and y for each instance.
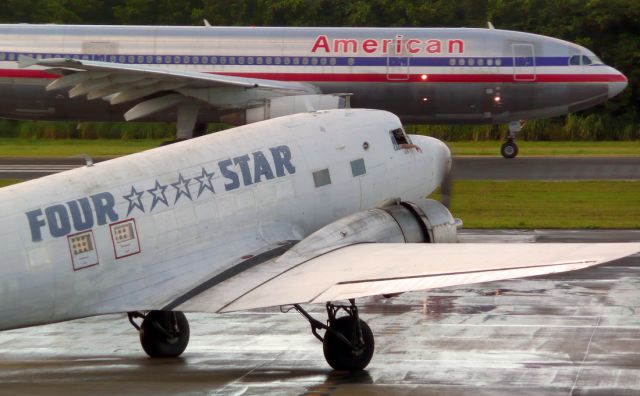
(383, 78)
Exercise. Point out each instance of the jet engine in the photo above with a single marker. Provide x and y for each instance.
(425, 221)
(286, 105)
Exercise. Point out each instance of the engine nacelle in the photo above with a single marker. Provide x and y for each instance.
(286, 105)
(426, 221)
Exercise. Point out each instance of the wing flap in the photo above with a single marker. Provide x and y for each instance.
(373, 269)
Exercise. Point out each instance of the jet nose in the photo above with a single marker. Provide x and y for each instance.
(617, 84)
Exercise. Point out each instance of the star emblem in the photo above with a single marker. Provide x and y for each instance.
(182, 188)
(158, 194)
(205, 182)
(135, 200)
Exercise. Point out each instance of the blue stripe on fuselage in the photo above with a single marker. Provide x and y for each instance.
(298, 61)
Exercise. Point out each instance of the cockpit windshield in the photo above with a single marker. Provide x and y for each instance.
(584, 60)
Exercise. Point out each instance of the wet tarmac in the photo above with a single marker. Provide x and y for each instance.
(493, 168)
(570, 334)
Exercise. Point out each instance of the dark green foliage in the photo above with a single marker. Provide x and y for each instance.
(611, 28)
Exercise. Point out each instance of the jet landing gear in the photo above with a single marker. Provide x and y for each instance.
(509, 149)
(162, 333)
(348, 342)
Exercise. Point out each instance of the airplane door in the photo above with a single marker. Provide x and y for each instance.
(398, 66)
(99, 50)
(524, 62)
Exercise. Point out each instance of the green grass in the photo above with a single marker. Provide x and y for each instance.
(16, 147)
(8, 182)
(606, 148)
(547, 204)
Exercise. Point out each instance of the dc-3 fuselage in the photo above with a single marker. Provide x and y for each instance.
(112, 237)
(309, 208)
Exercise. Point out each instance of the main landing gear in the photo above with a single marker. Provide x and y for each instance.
(348, 341)
(509, 148)
(162, 333)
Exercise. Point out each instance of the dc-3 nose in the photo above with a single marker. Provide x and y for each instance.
(438, 151)
(618, 83)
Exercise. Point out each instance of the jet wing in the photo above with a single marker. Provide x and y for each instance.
(120, 83)
(372, 269)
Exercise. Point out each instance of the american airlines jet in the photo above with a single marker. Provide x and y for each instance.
(238, 75)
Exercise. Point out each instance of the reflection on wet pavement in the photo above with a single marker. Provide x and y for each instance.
(576, 333)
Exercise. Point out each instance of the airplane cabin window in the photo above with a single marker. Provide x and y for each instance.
(358, 168)
(321, 178)
(574, 60)
(586, 60)
(398, 138)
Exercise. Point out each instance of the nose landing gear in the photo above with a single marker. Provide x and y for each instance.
(509, 148)
(348, 342)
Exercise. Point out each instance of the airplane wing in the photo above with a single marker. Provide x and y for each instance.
(120, 83)
(373, 269)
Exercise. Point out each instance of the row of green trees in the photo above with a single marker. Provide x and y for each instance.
(611, 28)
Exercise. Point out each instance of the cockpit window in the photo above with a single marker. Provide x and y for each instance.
(584, 60)
(399, 138)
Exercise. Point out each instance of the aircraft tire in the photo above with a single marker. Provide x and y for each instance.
(509, 150)
(340, 356)
(163, 336)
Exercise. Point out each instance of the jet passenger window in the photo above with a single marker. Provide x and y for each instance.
(321, 178)
(398, 138)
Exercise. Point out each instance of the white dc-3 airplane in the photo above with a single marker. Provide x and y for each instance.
(317, 207)
(240, 75)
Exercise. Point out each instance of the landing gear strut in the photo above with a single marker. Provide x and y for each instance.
(162, 333)
(509, 148)
(348, 342)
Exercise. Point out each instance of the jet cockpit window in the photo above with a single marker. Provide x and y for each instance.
(399, 138)
(584, 60)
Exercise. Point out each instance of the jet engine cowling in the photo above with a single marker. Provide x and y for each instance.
(286, 105)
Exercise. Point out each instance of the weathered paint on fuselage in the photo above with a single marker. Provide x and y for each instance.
(128, 234)
(421, 74)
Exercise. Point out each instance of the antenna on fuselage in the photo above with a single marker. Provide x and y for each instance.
(490, 25)
(206, 23)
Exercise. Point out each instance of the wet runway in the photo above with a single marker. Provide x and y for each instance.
(494, 168)
(571, 334)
